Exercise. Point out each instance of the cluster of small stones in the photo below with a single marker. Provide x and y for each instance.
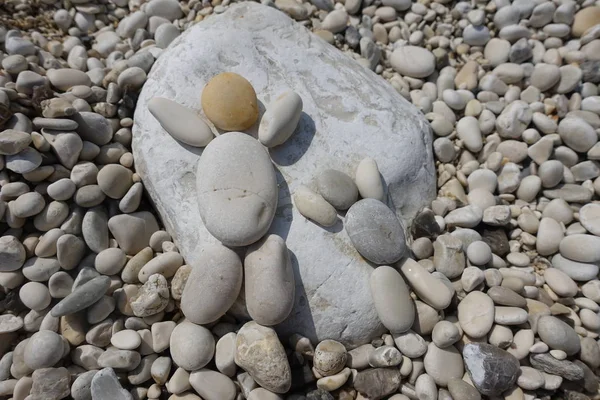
(503, 300)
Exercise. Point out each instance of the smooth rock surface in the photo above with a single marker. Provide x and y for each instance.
(332, 293)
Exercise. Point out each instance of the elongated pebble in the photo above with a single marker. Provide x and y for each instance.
(86, 295)
(368, 180)
(392, 299)
(429, 289)
(280, 120)
(314, 207)
(183, 123)
(581, 247)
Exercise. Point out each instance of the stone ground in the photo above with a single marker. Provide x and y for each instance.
(499, 298)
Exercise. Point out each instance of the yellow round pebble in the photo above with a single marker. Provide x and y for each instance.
(585, 19)
(229, 101)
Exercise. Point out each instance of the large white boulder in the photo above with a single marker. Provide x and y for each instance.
(349, 114)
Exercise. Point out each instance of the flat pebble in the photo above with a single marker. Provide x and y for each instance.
(424, 61)
(180, 122)
(558, 335)
(375, 231)
(392, 299)
(269, 281)
(476, 314)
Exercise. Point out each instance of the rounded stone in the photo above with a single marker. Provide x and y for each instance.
(392, 299)
(558, 335)
(560, 282)
(549, 237)
(133, 231)
(280, 120)
(225, 354)
(337, 188)
(577, 134)
(479, 253)
(581, 247)
(60, 285)
(25, 161)
(110, 261)
(13, 141)
(259, 352)
(430, 289)
(66, 78)
(229, 101)
(410, 343)
(585, 19)
(43, 350)
(183, 123)
(445, 334)
(126, 339)
(375, 231)
(28, 205)
(132, 78)
(12, 254)
(165, 264)
(476, 314)
(413, 61)
(551, 173)
(35, 296)
(385, 356)
(314, 207)
(460, 389)
(443, 364)
(269, 285)
(191, 346)
(165, 34)
(589, 217)
(368, 180)
(211, 385)
(575, 270)
(237, 189)
(330, 357)
(62, 190)
(213, 285)
(115, 180)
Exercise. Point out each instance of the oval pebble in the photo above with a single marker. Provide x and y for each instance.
(191, 346)
(269, 284)
(280, 120)
(375, 231)
(476, 314)
(126, 339)
(581, 247)
(237, 189)
(558, 335)
(207, 294)
(392, 299)
(229, 101)
(313, 206)
(183, 123)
